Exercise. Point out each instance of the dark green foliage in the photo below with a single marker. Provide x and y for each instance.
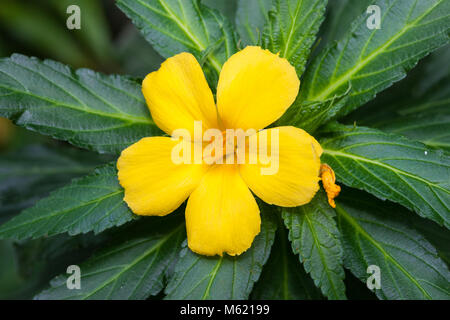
(395, 147)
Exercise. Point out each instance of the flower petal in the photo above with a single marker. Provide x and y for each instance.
(153, 183)
(296, 179)
(178, 94)
(255, 88)
(222, 214)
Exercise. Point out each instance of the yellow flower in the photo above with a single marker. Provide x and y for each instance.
(254, 90)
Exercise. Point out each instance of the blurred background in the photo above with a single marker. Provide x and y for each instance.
(106, 42)
(32, 165)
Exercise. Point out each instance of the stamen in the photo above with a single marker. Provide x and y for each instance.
(224, 155)
(328, 182)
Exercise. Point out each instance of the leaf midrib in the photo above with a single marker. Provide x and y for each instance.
(292, 28)
(362, 63)
(386, 255)
(185, 28)
(157, 246)
(212, 275)
(54, 103)
(58, 213)
(321, 254)
(386, 166)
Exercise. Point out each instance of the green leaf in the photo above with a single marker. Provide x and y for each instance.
(292, 29)
(438, 236)
(93, 203)
(30, 173)
(357, 290)
(251, 17)
(199, 277)
(431, 129)
(425, 90)
(373, 235)
(316, 239)
(417, 107)
(132, 268)
(174, 26)
(437, 73)
(391, 167)
(283, 277)
(371, 60)
(425, 114)
(88, 109)
(340, 16)
(44, 258)
(227, 8)
(322, 111)
(40, 260)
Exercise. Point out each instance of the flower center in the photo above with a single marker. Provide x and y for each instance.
(225, 147)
